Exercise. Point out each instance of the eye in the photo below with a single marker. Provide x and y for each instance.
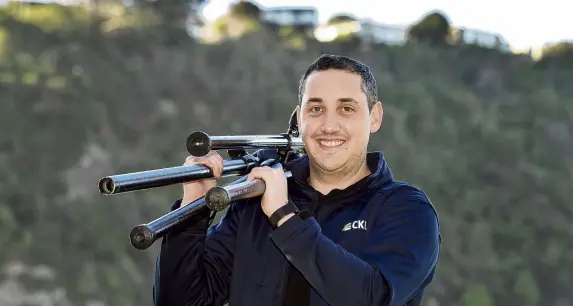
(314, 109)
(347, 109)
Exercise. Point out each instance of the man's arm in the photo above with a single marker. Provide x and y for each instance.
(401, 251)
(194, 266)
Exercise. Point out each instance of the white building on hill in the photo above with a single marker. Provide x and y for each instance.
(368, 30)
(481, 38)
(291, 16)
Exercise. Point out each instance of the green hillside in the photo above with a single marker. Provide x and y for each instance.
(488, 135)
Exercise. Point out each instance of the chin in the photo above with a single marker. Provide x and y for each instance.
(329, 167)
(327, 161)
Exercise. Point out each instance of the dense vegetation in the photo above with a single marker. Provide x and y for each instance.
(488, 135)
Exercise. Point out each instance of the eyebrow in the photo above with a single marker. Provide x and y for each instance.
(341, 100)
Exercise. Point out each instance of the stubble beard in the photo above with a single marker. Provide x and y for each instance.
(345, 169)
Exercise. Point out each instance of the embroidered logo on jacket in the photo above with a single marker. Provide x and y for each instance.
(358, 224)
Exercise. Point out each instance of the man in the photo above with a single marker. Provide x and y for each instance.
(369, 240)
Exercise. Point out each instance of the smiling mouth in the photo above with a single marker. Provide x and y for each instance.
(330, 144)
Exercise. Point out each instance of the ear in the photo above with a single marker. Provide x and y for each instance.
(376, 115)
(298, 114)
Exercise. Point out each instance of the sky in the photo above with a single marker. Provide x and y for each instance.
(523, 23)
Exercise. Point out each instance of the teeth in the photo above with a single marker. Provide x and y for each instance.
(331, 143)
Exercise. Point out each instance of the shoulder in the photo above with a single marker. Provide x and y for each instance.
(393, 190)
(398, 194)
(401, 202)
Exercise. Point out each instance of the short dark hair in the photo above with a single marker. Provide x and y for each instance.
(337, 62)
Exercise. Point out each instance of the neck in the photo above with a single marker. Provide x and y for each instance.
(325, 182)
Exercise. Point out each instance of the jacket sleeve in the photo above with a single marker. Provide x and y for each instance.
(399, 255)
(194, 265)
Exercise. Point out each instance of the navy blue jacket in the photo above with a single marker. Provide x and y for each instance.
(373, 243)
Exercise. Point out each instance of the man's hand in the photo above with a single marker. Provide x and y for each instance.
(196, 189)
(276, 192)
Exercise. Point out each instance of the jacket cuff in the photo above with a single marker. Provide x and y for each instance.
(292, 227)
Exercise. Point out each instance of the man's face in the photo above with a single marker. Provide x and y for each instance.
(334, 119)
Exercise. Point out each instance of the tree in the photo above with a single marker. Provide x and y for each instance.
(340, 18)
(247, 9)
(434, 29)
(557, 55)
(172, 16)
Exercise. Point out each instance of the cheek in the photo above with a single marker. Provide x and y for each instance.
(308, 129)
(358, 131)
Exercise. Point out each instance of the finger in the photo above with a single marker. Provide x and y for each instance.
(202, 161)
(259, 173)
(221, 161)
(189, 160)
(212, 165)
(279, 172)
(255, 173)
(217, 162)
(211, 153)
(251, 175)
(192, 160)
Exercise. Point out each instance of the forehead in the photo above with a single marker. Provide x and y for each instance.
(334, 84)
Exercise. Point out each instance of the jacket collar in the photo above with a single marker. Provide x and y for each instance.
(301, 191)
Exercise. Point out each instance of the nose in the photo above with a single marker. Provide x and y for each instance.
(330, 123)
